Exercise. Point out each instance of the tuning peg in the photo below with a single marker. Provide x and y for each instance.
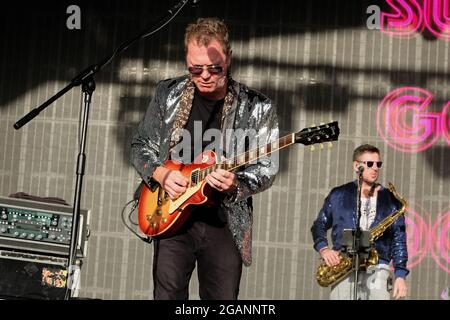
(313, 148)
(322, 123)
(321, 146)
(330, 145)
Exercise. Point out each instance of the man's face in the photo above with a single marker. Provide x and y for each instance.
(370, 174)
(210, 83)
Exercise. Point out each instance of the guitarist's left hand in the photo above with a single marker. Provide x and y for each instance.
(222, 180)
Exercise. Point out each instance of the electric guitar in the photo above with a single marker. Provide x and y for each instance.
(160, 216)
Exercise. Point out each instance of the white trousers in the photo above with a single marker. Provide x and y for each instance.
(373, 284)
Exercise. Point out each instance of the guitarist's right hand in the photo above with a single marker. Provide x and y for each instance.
(172, 181)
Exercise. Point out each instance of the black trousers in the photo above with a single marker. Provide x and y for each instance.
(219, 264)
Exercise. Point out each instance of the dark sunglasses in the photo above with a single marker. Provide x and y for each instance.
(369, 164)
(212, 69)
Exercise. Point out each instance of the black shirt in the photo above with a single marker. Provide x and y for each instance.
(208, 113)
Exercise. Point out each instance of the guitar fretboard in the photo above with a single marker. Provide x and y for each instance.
(244, 158)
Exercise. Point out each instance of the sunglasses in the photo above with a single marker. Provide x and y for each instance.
(212, 69)
(369, 164)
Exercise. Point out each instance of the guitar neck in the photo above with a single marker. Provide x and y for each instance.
(257, 153)
(245, 158)
(307, 136)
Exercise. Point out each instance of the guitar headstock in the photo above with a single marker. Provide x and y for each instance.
(318, 134)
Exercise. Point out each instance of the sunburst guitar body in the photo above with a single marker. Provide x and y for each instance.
(161, 216)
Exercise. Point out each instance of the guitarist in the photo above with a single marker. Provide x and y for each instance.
(218, 237)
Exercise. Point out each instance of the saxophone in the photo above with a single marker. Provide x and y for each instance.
(327, 276)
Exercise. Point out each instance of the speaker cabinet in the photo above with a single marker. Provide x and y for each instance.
(32, 276)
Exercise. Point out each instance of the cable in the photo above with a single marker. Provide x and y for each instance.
(130, 219)
(135, 204)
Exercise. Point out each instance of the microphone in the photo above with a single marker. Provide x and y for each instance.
(360, 169)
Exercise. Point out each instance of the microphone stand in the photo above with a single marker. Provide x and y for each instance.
(87, 82)
(357, 237)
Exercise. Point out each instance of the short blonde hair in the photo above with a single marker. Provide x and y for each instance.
(204, 30)
(363, 149)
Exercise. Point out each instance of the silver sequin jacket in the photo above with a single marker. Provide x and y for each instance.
(244, 109)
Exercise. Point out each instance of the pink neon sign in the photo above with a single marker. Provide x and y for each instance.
(417, 232)
(409, 16)
(405, 124)
(406, 18)
(424, 237)
(440, 240)
(437, 17)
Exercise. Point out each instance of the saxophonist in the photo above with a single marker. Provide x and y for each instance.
(339, 213)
